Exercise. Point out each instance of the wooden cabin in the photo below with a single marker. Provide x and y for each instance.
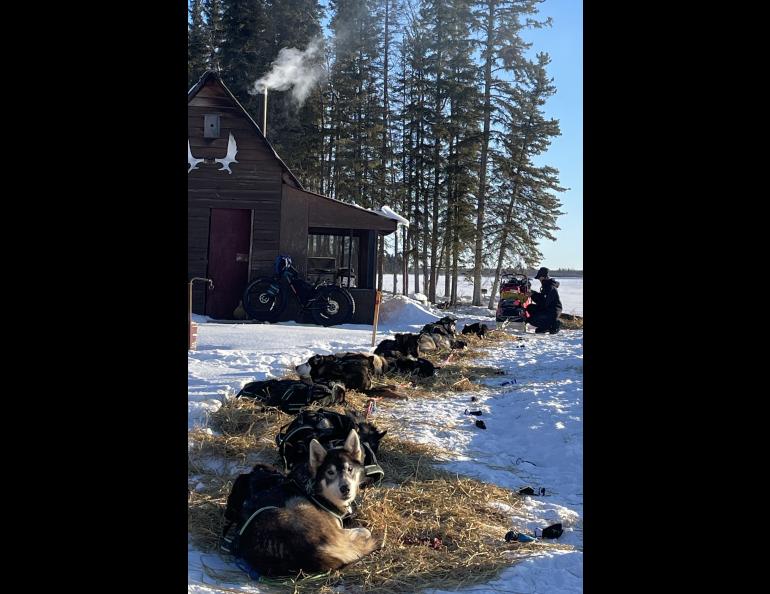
(245, 207)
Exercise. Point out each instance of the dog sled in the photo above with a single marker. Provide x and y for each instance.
(515, 297)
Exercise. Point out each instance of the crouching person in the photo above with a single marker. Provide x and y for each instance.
(545, 310)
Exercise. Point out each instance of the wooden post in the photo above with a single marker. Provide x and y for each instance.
(189, 316)
(377, 301)
(192, 336)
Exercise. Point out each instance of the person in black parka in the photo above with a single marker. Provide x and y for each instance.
(546, 307)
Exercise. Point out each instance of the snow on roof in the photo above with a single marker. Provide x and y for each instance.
(388, 213)
(379, 213)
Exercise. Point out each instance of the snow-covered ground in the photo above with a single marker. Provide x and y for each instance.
(533, 415)
(570, 290)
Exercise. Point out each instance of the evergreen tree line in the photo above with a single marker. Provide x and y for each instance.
(432, 107)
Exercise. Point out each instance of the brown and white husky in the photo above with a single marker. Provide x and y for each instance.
(299, 524)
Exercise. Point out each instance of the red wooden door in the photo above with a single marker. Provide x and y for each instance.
(229, 240)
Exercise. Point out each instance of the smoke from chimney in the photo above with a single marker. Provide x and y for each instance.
(293, 69)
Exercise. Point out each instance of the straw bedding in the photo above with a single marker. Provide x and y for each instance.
(439, 530)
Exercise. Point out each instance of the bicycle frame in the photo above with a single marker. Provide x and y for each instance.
(291, 275)
(266, 298)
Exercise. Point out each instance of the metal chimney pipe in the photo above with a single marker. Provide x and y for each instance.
(264, 116)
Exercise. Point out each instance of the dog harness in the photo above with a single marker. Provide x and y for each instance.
(254, 515)
(370, 470)
(230, 544)
(326, 509)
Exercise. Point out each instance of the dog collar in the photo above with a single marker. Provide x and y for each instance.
(326, 509)
(307, 491)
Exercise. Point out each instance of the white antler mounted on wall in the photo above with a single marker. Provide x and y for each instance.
(232, 150)
(192, 161)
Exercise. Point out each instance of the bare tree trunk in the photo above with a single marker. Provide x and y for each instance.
(481, 198)
(425, 238)
(414, 236)
(451, 223)
(455, 255)
(434, 230)
(447, 271)
(323, 129)
(385, 134)
(335, 190)
(406, 184)
(441, 261)
(447, 251)
(405, 263)
(509, 214)
(436, 176)
(454, 275)
(415, 233)
(503, 244)
(395, 262)
(380, 259)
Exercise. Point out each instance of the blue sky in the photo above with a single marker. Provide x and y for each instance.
(563, 41)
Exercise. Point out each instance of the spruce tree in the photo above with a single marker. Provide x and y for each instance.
(527, 204)
(502, 50)
(357, 90)
(212, 9)
(295, 128)
(197, 58)
(246, 51)
(435, 17)
(464, 135)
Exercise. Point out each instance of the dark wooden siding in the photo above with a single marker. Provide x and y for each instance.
(364, 299)
(198, 220)
(258, 183)
(264, 241)
(367, 259)
(254, 184)
(324, 212)
(364, 314)
(257, 168)
(294, 227)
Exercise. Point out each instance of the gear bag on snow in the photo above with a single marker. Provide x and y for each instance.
(293, 395)
(330, 429)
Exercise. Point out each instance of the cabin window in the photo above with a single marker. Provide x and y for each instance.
(333, 258)
(211, 125)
